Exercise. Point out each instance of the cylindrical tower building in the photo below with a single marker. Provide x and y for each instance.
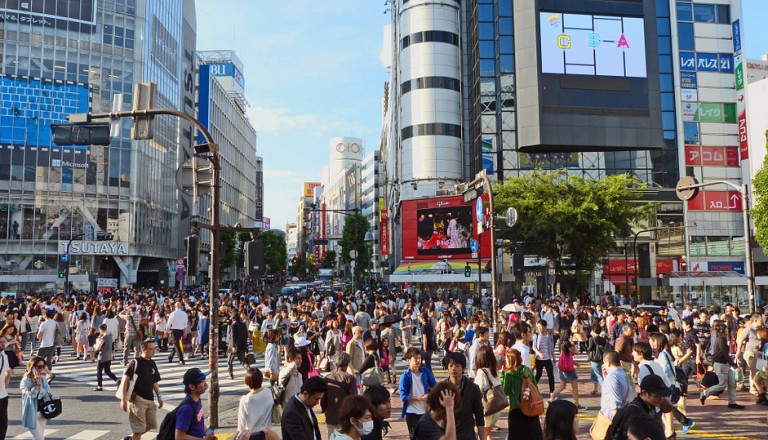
(430, 97)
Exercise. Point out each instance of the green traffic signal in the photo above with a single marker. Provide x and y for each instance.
(467, 271)
(61, 273)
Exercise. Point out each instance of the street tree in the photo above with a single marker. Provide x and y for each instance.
(570, 220)
(759, 209)
(275, 252)
(329, 261)
(353, 238)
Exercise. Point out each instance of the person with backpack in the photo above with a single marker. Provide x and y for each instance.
(340, 385)
(597, 346)
(525, 427)
(189, 416)
(652, 394)
(567, 374)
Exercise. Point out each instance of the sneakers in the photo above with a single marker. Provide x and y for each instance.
(762, 400)
(98, 389)
(735, 406)
(688, 426)
(702, 398)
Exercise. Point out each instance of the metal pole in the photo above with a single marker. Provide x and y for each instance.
(626, 264)
(213, 333)
(749, 270)
(494, 297)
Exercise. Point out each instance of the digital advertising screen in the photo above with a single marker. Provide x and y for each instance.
(597, 45)
(444, 230)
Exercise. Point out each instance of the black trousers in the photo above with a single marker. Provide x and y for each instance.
(3, 417)
(410, 421)
(240, 356)
(540, 366)
(177, 335)
(104, 367)
(427, 359)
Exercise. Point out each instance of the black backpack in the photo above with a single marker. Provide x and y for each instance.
(167, 429)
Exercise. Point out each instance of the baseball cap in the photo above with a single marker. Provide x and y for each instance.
(654, 384)
(194, 376)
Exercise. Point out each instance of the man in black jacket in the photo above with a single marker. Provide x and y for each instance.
(239, 350)
(470, 413)
(299, 421)
(652, 394)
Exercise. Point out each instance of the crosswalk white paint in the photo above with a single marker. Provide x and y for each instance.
(88, 434)
(28, 435)
(171, 388)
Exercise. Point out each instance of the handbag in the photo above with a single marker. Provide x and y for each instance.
(49, 406)
(324, 364)
(494, 399)
(599, 427)
(277, 410)
(131, 384)
(374, 375)
(313, 372)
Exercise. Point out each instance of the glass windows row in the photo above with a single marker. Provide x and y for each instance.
(430, 82)
(62, 220)
(118, 36)
(717, 245)
(703, 13)
(429, 37)
(436, 129)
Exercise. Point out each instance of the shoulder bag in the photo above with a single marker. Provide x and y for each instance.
(139, 333)
(374, 375)
(131, 384)
(533, 405)
(494, 399)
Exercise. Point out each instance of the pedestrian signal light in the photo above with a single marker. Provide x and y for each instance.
(467, 271)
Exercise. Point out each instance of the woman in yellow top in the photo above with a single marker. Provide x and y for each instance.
(525, 428)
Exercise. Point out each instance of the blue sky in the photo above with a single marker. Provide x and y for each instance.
(312, 71)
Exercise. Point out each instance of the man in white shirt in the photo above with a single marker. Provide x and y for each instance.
(177, 322)
(481, 339)
(5, 379)
(522, 334)
(46, 334)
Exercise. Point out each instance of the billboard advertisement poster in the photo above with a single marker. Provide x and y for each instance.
(690, 110)
(308, 189)
(73, 15)
(441, 227)
(384, 233)
(529, 161)
(710, 112)
(689, 94)
(688, 80)
(598, 45)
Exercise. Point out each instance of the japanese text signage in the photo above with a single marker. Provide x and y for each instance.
(706, 62)
(711, 156)
(716, 201)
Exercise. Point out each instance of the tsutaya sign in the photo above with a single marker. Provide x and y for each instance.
(94, 248)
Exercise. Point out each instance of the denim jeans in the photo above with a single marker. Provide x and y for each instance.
(596, 375)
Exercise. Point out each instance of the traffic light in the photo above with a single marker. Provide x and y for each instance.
(294, 261)
(62, 271)
(96, 133)
(253, 251)
(518, 264)
(192, 243)
(467, 271)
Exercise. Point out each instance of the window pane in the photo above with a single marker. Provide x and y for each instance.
(685, 38)
(723, 14)
(485, 31)
(507, 63)
(505, 45)
(684, 12)
(485, 12)
(691, 130)
(505, 26)
(704, 13)
(486, 49)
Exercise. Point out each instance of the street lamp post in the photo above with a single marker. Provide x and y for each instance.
(687, 188)
(369, 239)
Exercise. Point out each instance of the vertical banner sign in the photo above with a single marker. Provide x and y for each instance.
(384, 232)
(741, 105)
(323, 233)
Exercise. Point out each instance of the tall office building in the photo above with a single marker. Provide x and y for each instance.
(221, 108)
(75, 56)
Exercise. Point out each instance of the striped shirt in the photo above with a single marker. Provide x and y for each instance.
(545, 345)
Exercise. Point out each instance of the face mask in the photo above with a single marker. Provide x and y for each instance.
(367, 428)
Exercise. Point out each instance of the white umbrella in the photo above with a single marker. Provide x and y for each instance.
(514, 308)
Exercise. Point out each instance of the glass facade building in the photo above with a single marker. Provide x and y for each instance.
(76, 199)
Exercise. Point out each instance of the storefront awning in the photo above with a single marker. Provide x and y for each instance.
(437, 271)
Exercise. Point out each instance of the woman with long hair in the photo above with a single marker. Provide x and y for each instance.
(487, 377)
(567, 374)
(561, 422)
(255, 409)
(522, 427)
(346, 335)
(62, 335)
(12, 344)
(161, 322)
(34, 386)
(82, 329)
(272, 356)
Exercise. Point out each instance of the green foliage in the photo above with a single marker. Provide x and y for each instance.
(353, 239)
(275, 252)
(759, 209)
(329, 261)
(229, 240)
(568, 218)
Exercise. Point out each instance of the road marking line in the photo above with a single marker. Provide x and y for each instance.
(28, 435)
(88, 434)
(696, 432)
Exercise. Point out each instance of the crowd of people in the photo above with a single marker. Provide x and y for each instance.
(341, 351)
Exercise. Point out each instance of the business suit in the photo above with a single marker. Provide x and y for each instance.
(357, 354)
(296, 424)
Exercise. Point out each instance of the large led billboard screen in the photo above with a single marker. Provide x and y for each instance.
(587, 44)
(444, 230)
(440, 228)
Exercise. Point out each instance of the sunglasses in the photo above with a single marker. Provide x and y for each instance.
(40, 366)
